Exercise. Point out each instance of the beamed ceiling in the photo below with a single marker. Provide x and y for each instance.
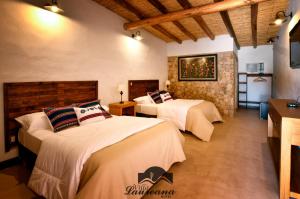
(247, 23)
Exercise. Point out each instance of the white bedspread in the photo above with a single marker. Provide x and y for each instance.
(61, 157)
(176, 111)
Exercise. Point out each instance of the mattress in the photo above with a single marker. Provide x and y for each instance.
(148, 109)
(33, 141)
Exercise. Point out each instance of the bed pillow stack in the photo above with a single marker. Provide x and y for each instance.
(158, 97)
(91, 114)
(75, 115)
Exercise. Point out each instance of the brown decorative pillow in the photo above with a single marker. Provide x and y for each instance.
(155, 97)
(61, 118)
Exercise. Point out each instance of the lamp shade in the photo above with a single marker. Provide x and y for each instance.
(121, 87)
(168, 83)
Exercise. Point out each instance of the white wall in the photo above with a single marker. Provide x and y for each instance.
(256, 91)
(287, 81)
(89, 43)
(222, 43)
(261, 54)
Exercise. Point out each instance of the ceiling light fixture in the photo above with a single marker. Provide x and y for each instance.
(53, 7)
(280, 18)
(137, 36)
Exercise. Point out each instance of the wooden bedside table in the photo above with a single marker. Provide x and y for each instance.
(127, 108)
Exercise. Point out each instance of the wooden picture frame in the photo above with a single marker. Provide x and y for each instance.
(198, 68)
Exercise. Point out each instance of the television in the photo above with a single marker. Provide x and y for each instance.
(295, 46)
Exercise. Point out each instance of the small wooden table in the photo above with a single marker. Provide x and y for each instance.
(127, 108)
(283, 132)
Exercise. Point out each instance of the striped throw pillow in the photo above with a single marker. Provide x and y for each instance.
(61, 118)
(155, 96)
(91, 114)
(166, 97)
(88, 104)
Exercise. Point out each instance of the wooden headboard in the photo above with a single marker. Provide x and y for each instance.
(30, 97)
(138, 88)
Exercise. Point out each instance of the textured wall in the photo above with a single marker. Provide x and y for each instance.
(221, 92)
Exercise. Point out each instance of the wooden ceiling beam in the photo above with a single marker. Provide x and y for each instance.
(186, 5)
(228, 24)
(164, 10)
(199, 10)
(254, 13)
(167, 33)
(141, 16)
(184, 30)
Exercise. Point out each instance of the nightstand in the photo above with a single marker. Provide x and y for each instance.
(127, 108)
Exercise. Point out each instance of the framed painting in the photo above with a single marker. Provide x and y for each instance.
(198, 68)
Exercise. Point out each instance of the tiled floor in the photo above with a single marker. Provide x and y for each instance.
(235, 164)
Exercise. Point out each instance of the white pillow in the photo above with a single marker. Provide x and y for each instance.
(166, 97)
(105, 107)
(150, 98)
(143, 100)
(91, 114)
(34, 121)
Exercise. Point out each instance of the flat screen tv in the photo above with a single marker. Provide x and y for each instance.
(295, 46)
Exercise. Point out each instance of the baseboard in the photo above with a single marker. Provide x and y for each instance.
(10, 162)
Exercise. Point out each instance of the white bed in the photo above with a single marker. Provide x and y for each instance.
(75, 161)
(147, 109)
(195, 116)
(33, 141)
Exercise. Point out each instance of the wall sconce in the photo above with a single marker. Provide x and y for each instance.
(272, 40)
(280, 18)
(137, 36)
(53, 7)
(168, 83)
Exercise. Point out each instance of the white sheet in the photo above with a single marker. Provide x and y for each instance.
(59, 163)
(176, 111)
(149, 109)
(33, 140)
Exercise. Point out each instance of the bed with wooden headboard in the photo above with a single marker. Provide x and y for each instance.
(29, 97)
(24, 98)
(138, 88)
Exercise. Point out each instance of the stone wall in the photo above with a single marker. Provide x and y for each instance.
(222, 92)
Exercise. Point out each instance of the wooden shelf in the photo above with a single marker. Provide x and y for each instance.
(260, 75)
(245, 82)
(249, 102)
